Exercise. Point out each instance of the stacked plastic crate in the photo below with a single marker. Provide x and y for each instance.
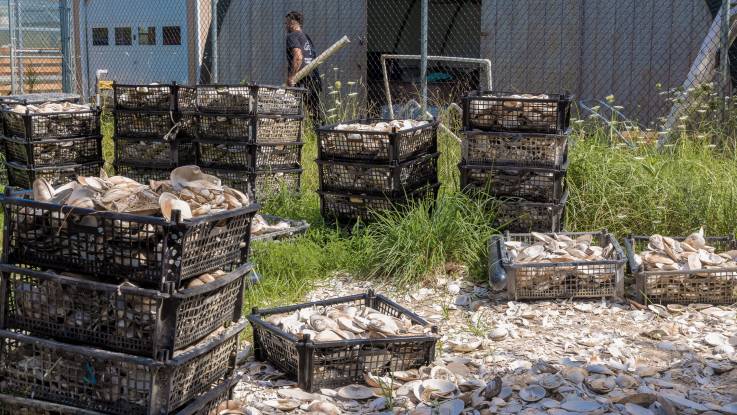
(362, 172)
(56, 146)
(515, 150)
(119, 313)
(250, 136)
(147, 143)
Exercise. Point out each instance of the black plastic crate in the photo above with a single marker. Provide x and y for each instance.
(147, 250)
(296, 227)
(143, 97)
(376, 147)
(234, 99)
(39, 98)
(378, 179)
(507, 111)
(546, 280)
(51, 125)
(21, 176)
(278, 100)
(278, 129)
(143, 124)
(49, 153)
(519, 215)
(530, 183)
(242, 156)
(347, 208)
(519, 149)
(141, 151)
(186, 98)
(710, 286)
(110, 382)
(202, 405)
(144, 172)
(115, 317)
(316, 365)
(270, 183)
(224, 127)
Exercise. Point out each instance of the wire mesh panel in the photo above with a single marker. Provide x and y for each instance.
(332, 364)
(47, 153)
(576, 279)
(114, 383)
(710, 286)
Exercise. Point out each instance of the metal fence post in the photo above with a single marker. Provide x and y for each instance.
(423, 57)
(67, 62)
(214, 35)
(11, 30)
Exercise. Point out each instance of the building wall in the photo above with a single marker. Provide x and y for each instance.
(595, 48)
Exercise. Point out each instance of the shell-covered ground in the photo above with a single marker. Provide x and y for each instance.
(546, 357)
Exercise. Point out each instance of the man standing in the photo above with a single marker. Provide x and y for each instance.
(300, 53)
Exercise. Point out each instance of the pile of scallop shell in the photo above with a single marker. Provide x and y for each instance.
(224, 127)
(50, 107)
(691, 254)
(532, 185)
(381, 126)
(272, 100)
(143, 97)
(278, 130)
(350, 138)
(527, 149)
(344, 322)
(351, 176)
(51, 119)
(189, 191)
(133, 123)
(514, 111)
(261, 226)
(219, 97)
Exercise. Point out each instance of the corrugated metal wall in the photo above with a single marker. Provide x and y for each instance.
(252, 37)
(594, 48)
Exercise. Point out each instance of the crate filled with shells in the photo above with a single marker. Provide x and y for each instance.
(51, 121)
(270, 227)
(115, 227)
(530, 183)
(261, 185)
(515, 149)
(377, 140)
(685, 270)
(277, 129)
(347, 208)
(143, 124)
(520, 215)
(152, 97)
(114, 383)
(223, 99)
(558, 265)
(331, 343)
(22, 176)
(49, 153)
(154, 151)
(278, 100)
(186, 99)
(378, 179)
(505, 111)
(242, 156)
(125, 318)
(224, 127)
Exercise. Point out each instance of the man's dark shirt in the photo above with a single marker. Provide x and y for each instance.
(299, 40)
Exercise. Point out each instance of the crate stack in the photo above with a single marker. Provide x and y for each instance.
(363, 171)
(515, 150)
(147, 143)
(56, 146)
(119, 313)
(251, 136)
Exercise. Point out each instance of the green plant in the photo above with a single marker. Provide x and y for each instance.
(32, 77)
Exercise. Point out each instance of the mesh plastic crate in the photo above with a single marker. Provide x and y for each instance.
(270, 183)
(333, 364)
(143, 124)
(378, 179)
(48, 153)
(347, 208)
(143, 249)
(710, 286)
(243, 156)
(47, 126)
(530, 183)
(21, 176)
(544, 280)
(520, 149)
(140, 151)
(143, 97)
(276, 129)
(120, 318)
(506, 111)
(143, 172)
(186, 100)
(114, 383)
(278, 100)
(39, 98)
(376, 147)
(295, 227)
(224, 98)
(202, 405)
(519, 215)
(224, 127)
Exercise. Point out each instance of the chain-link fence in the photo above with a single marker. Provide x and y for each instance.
(638, 53)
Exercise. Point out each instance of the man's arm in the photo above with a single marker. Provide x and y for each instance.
(296, 65)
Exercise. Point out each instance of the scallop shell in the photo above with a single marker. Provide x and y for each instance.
(382, 382)
(347, 324)
(464, 346)
(319, 322)
(532, 393)
(551, 381)
(434, 389)
(327, 336)
(323, 407)
(355, 392)
(42, 190)
(443, 373)
(285, 405)
(169, 202)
